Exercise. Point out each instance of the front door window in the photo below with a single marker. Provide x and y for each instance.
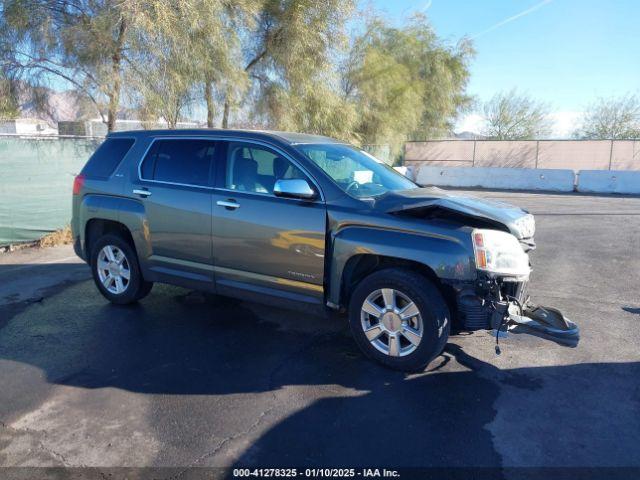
(251, 168)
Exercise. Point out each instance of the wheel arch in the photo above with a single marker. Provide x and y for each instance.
(361, 266)
(98, 227)
(101, 214)
(358, 252)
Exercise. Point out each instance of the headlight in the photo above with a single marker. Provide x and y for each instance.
(500, 253)
(526, 225)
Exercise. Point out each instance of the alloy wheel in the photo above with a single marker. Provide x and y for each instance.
(392, 322)
(113, 269)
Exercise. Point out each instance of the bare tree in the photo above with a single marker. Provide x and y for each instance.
(81, 42)
(405, 82)
(287, 47)
(101, 47)
(611, 118)
(195, 45)
(514, 116)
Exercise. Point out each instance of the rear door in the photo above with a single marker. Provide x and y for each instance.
(262, 243)
(175, 185)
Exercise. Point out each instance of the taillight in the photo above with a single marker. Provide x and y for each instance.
(78, 183)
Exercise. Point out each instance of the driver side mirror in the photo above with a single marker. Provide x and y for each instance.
(294, 188)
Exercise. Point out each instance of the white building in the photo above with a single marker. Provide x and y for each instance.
(27, 126)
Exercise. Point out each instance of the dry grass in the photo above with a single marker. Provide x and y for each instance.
(53, 239)
(59, 237)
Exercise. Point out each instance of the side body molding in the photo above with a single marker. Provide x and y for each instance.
(449, 257)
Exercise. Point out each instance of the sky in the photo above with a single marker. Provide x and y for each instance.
(566, 53)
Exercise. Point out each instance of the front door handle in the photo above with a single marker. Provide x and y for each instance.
(142, 193)
(229, 205)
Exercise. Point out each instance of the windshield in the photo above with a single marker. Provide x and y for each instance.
(355, 171)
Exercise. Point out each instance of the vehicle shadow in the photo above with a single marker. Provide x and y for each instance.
(581, 415)
(24, 284)
(394, 419)
(178, 343)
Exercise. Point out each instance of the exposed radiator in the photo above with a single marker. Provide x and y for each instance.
(474, 315)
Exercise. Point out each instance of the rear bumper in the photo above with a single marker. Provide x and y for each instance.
(77, 247)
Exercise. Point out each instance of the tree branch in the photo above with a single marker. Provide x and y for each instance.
(66, 77)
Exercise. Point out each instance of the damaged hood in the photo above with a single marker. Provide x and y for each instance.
(519, 222)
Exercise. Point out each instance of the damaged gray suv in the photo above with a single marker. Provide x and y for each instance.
(307, 222)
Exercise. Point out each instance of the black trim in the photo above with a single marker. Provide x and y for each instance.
(220, 164)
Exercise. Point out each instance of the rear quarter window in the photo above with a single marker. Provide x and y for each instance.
(107, 157)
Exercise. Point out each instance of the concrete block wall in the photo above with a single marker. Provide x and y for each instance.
(625, 155)
(562, 154)
(517, 154)
(576, 155)
(443, 153)
(599, 166)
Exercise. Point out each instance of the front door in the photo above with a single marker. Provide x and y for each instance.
(175, 188)
(262, 243)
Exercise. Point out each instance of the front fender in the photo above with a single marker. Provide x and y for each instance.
(448, 256)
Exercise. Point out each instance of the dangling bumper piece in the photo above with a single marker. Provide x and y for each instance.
(504, 306)
(545, 322)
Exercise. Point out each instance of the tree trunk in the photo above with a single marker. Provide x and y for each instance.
(208, 96)
(225, 114)
(174, 113)
(227, 105)
(114, 94)
(255, 60)
(111, 113)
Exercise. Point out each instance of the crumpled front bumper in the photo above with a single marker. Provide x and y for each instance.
(504, 306)
(544, 322)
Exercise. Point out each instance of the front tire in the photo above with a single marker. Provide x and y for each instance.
(116, 273)
(399, 319)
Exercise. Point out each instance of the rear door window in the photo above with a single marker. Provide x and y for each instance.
(107, 157)
(183, 161)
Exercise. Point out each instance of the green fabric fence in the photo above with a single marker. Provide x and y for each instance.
(36, 178)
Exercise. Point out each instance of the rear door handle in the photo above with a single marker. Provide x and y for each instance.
(229, 205)
(142, 193)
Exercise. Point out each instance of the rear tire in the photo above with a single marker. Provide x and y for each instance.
(399, 319)
(115, 269)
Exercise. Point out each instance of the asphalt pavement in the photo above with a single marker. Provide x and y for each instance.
(186, 380)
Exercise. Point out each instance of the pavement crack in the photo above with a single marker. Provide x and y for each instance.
(225, 441)
(40, 436)
(259, 420)
(288, 358)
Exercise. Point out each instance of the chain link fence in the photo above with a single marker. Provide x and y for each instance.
(36, 178)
